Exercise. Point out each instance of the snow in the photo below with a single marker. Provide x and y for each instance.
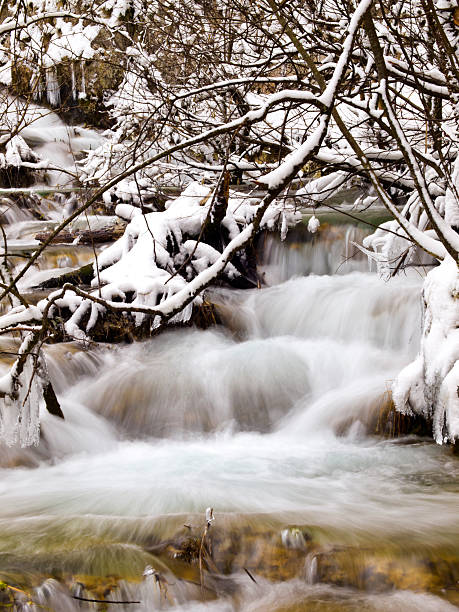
(160, 264)
(204, 255)
(319, 189)
(328, 95)
(127, 212)
(20, 314)
(294, 161)
(430, 385)
(313, 224)
(23, 393)
(9, 26)
(449, 235)
(17, 152)
(152, 271)
(451, 199)
(70, 40)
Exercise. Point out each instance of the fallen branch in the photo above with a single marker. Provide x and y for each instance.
(106, 234)
(105, 601)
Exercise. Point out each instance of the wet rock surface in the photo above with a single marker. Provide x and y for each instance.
(224, 561)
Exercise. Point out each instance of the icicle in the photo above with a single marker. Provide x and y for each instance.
(310, 567)
(74, 89)
(53, 93)
(29, 400)
(36, 85)
(284, 228)
(82, 93)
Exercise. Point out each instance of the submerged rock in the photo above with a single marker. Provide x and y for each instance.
(238, 554)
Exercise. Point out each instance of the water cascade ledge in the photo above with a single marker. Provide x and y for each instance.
(269, 422)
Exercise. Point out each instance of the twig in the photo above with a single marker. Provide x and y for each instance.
(250, 575)
(106, 601)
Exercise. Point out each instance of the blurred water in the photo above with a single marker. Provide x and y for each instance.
(271, 417)
(331, 251)
(49, 137)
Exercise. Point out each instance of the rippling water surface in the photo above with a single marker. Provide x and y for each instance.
(270, 420)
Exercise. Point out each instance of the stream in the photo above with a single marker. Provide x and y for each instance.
(269, 419)
(279, 418)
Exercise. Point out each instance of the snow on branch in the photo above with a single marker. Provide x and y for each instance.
(162, 261)
(20, 23)
(295, 160)
(153, 274)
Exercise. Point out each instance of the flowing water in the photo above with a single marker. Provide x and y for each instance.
(269, 419)
(48, 136)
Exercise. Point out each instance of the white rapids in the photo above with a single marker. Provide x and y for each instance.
(271, 417)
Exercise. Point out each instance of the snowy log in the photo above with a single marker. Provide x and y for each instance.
(97, 236)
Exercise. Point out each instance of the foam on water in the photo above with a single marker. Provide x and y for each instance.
(357, 307)
(192, 418)
(254, 598)
(341, 483)
(270, 419)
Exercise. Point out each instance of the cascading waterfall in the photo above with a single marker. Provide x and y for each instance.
(48, 136)
(333, 253)
(266, 419)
